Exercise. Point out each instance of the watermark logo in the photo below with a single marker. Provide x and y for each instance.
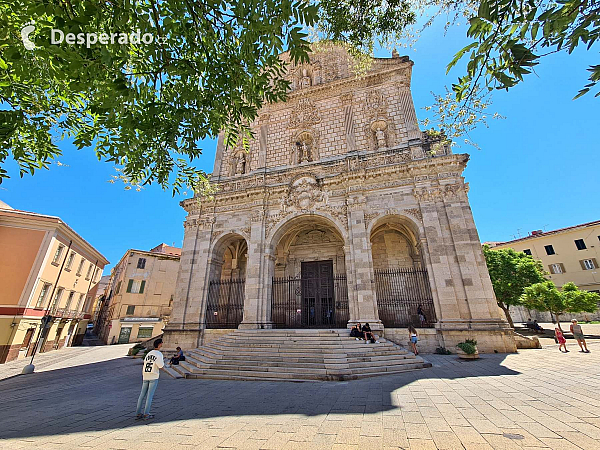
(25, 32)
(88, 39)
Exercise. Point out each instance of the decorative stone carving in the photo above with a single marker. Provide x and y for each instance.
(240, 165)
(378, 128)
(304, 114)
(415, 212)
(304, 148)
(376, 103)
(304, 192)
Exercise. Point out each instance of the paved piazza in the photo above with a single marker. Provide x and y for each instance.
(534, 399)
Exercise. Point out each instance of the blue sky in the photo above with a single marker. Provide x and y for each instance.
(536, 169)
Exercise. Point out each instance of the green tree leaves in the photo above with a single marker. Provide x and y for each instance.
(546, 297)
(511, 272)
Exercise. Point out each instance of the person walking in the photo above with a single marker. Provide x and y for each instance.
(414, 338)
(560, 338)
(578, 334)
(153, 362)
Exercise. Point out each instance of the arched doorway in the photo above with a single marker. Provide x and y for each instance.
(227, 278)
(401, 281)
(310, 288)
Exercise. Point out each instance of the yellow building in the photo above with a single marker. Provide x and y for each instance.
(138, 298)
(567, 254)
(46, 268)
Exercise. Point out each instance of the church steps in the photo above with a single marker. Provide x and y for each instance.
(295, 355)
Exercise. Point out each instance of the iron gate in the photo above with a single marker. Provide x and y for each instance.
(310, 303)
(225, 306)
(400, 294)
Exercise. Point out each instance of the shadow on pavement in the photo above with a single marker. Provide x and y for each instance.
(102, 396)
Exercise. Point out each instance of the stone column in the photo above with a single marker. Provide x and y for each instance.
(189, 302)
(362, 267)
(254, 300)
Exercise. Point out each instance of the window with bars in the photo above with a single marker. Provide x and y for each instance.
(557, 268)
(70, 299)
(57, 297)
(80, 267)
(89, 272)
(589, 264)
(145, 332)
(81, 296)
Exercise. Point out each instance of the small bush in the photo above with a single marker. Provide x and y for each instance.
(469, 346)
(442, 351)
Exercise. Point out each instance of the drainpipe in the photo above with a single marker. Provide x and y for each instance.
(30, 367)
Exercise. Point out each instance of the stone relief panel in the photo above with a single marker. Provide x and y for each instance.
(304, 114)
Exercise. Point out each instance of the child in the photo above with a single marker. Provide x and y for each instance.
(561, 339)
(414, 338)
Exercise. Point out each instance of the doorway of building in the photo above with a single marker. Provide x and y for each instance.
(317, 299)
(124, 335)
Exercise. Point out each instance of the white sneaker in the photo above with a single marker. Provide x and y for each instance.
(377, 342)
(357, 339)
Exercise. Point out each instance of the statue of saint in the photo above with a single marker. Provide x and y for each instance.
(304, 152)
(240, 167)
(305, 80)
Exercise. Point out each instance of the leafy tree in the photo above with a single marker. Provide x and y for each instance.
(510, 37)
(547, 297)
(511, 272)
(145, 106)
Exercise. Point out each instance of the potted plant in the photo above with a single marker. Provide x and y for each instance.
(467, 349)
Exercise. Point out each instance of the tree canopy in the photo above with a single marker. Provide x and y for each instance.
(570, 299)
(511, 272)
(144, 105)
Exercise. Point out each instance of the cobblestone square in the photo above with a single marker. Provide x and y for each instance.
(85, 398)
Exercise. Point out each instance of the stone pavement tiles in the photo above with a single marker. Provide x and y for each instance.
(535, 399)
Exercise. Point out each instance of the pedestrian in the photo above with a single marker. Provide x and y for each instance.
(561, 339)
(153, 362)
(414, 338)
(179, 356)
(421, 314)
(578, 334)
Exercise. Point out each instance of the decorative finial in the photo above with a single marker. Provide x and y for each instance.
(395, 54)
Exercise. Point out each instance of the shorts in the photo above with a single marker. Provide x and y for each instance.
(414, 339)
(578, 336)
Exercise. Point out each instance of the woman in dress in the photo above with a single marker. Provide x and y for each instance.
(561, 339)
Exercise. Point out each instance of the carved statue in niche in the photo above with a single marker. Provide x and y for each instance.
(240, 164)
(304, 149)
(379, 128)
(305, 80)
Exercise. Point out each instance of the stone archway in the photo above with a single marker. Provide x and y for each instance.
(227, 277)
(401, 285)
(309, 285)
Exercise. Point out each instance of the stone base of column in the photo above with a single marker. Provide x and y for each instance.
(492, 336)
(375, 324)
(185, 336)
(255, 325)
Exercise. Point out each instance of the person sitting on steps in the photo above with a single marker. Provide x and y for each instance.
(178, 357)
(356, 331)
(368, 334)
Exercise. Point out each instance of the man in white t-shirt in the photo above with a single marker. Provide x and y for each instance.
(153, 362)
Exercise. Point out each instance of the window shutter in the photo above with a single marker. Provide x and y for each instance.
(129, 285)
(562, 266)
(595, 263)
(142, 287)
(550, 268)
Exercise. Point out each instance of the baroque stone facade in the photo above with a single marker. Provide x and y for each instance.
(340, 173)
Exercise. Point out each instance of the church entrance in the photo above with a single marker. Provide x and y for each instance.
(318, 299)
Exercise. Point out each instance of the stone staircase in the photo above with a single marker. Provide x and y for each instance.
(294, 355)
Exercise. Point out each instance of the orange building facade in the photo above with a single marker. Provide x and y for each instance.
(46, 269)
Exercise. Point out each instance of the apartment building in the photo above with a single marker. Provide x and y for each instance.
(568, 255)
(46, 270)
(138, 298)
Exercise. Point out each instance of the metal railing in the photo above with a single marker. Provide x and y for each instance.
(225, 305)
(297, 304)
(401, 294)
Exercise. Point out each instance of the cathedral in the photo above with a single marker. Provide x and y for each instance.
(341, 211)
